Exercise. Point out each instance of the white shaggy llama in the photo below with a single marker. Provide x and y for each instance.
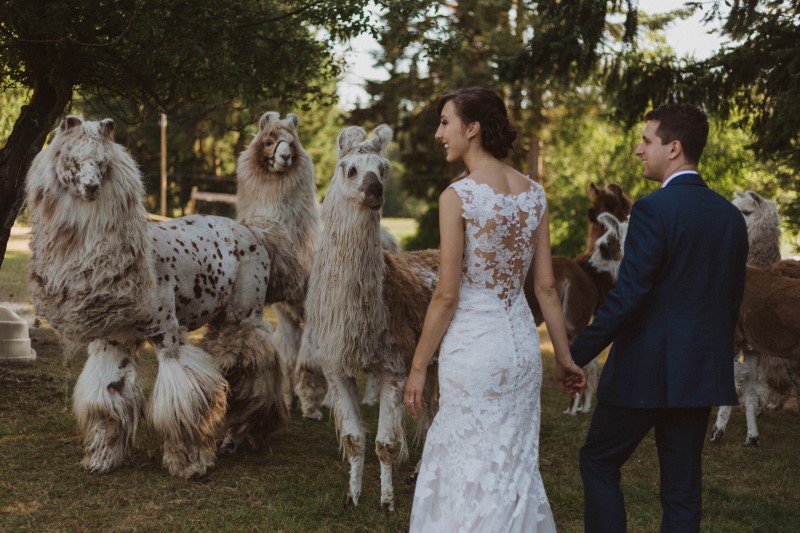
(276, 182)
(757, 374)
(365, 307)
(101, 274)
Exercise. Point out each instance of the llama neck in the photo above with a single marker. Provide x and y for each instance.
(764, 243)
(345, 305)
(90, 265)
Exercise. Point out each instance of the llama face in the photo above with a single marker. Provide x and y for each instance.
(276, 141)
(610, 199)
(756, 209)
(608, 249)
(82, 156)
(362, 170)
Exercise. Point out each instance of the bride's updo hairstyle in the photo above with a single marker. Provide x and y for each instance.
(485, 107)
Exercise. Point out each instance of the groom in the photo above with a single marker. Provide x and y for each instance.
(671, 318)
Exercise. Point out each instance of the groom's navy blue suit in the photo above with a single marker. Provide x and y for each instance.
(671, 318)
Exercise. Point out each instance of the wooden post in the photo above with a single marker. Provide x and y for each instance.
(163, 165)
(535, 159)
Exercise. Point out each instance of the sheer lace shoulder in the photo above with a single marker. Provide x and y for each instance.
(498, 240)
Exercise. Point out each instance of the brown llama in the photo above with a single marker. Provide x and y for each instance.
(582, 283)
(365, 307)
(758, 374)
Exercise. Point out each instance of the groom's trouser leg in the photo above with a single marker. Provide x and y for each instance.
(680, 435)
(613, 435)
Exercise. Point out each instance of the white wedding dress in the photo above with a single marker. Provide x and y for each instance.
(480, 465)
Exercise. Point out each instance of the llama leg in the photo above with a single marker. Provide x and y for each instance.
(310, 385)
(107, 403)
(352, 439)
(252, 367)
(572, 408)
(371, 389)
(718, 431)
(187, 407)
(750, 397)
(287, 341)
(390, 439)
(588, 394)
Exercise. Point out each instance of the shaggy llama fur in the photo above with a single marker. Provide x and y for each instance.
(365, 307)
(758, 374)
(276, 181)
(101, 274)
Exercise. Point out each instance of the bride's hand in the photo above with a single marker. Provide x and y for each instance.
(412, 398)
(570, 377)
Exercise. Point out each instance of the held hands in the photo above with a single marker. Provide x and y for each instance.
(570, 377)
(412, 398)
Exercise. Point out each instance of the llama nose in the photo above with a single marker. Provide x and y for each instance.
(372, 188)
(92, 188)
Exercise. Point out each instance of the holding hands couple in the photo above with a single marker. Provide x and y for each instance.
(670, 317)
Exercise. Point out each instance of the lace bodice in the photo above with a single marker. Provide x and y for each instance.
(498, 239)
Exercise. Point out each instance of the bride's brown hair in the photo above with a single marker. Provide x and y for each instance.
(476, 104)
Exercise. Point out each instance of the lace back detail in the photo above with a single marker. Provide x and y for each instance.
(498, 238)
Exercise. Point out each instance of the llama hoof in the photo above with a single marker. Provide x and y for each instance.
(716, 435)
(410, 480)
(315, 414)
(228, 447)
(387, 508)
(349, 502)
(751, 442)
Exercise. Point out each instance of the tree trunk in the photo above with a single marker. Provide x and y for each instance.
(27, 138)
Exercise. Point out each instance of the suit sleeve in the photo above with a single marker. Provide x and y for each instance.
(645, 246)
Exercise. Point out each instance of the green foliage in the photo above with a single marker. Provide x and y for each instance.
(753, 81)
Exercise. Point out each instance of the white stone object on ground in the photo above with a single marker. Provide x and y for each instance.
(15, 344)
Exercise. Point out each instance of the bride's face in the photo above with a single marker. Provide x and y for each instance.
(451, 133)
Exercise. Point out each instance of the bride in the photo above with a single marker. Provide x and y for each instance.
(480, 464)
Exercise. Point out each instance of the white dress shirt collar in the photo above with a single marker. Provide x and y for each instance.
(681, 172)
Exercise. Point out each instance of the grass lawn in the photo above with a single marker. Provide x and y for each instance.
(299, 481)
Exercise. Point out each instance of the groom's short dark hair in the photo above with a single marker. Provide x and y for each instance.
(682, 122)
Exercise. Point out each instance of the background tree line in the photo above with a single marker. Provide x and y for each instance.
(577, 77)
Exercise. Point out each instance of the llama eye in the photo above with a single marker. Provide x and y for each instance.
(268, 142)
(747, 213)
(352, 173)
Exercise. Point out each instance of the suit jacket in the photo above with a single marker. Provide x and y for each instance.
(672, 314)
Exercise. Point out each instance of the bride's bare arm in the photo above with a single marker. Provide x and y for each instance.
(445, 297)
(547, 295)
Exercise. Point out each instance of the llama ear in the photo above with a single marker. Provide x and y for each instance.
(614, 189)
(383, 137)
(267, 118)
(107, 128)
(69, 122)
(609, 221)
(593, 191)
(349, 138)
(755, 196)
(292, 120)
(738, 194)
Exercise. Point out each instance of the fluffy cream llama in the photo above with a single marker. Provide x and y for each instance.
(101, 274)
(276, 181)
(757, 374)
(365, 307)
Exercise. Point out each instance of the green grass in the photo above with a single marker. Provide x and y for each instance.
(298, 482)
